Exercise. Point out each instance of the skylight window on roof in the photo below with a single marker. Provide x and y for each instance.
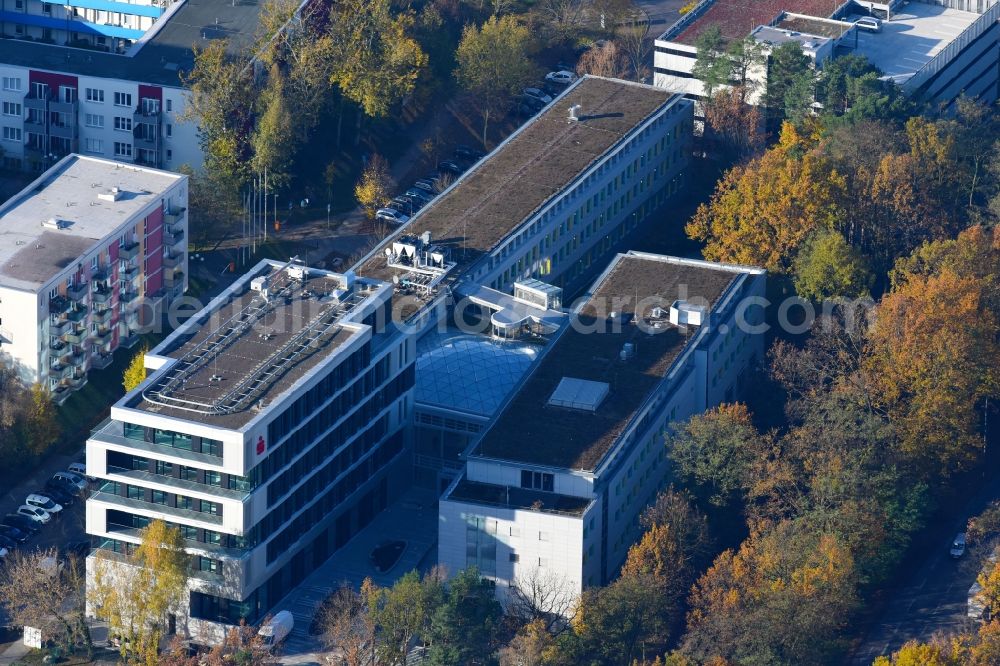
(581, 394)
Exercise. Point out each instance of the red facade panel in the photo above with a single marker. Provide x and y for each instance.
(52, 79)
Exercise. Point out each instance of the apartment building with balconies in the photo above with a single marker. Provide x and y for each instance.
(103, 77)
(269, 430)
(84, 253)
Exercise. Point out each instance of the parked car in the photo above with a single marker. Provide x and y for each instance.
(562, 77)
(869, 23)
(426, 186)
(391, 215)
(40, 516)
(74, 479)
(452, 167)
(23, 523)
(7, 542)
(417, 193)
(528, 108)
(58, 493)
(80, 469)
(416, 202)
(14, 534)
(958, 546)
(467, 153)
(277, 628)
(403, 205)
(79, 548)
(536, 94)
(44, 503)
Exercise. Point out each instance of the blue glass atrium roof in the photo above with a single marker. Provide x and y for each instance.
(468, 372)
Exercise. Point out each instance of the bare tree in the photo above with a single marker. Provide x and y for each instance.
(634, 41)
(347, 627)
(540, 595)
(564, 16)
(37, 590)
(605, 60)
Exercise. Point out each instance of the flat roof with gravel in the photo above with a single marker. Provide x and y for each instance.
(538, 161)
(58, 219)
(531, 429)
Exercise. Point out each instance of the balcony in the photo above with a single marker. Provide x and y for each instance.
(101, 361)
(76, 358)
(174, 278)
(103, 316)
(131, 504)
(174, 216)
(58, 346)
(65, 131)
(58, 305)
(75, 337)
(100, 275)
(172, 261)
(77, 314)
(103, 337)
(128, 274)
(77, 382)
(59, 327)
(77, 291)
(127, 296)
(145, 117)
(35, 125)
(103, 296)
(60, 371)
(146, 140)
(130, 251)
(173, 238)
(68, 108)
(32, 102)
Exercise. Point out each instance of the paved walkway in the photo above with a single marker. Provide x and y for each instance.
(412, 518)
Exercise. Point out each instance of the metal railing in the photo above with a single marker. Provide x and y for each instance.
(948, 53)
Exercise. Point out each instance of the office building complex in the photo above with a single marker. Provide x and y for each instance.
(937, 51)
(269, 430)
(277, 422)
(89, 252)
(539, 216)
(103, 78)
(553, 488)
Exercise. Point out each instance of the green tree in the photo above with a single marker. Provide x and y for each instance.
(136, 595)
(827, 267)
(41, 427)
(746, 61)
(712, 65)
(464, 629)
(617, 624)
(135, 373)
(374, 188)
(222, 104)
(716, 452)
(274, 140)
(376, 61)
(789, 82)
(493, 63)
(403, 612)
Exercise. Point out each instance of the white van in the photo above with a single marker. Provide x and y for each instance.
(277, 628)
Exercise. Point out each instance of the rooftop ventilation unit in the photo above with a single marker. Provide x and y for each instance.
(575, 113)
(627, 352)
(683, 313)
(114, 194)
(53, 223)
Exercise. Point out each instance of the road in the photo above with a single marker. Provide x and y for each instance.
(932, 599)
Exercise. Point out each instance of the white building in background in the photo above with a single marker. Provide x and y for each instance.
(89, 252)
(269, 430)
(936, 50)
(103, 77)
(553, 488)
